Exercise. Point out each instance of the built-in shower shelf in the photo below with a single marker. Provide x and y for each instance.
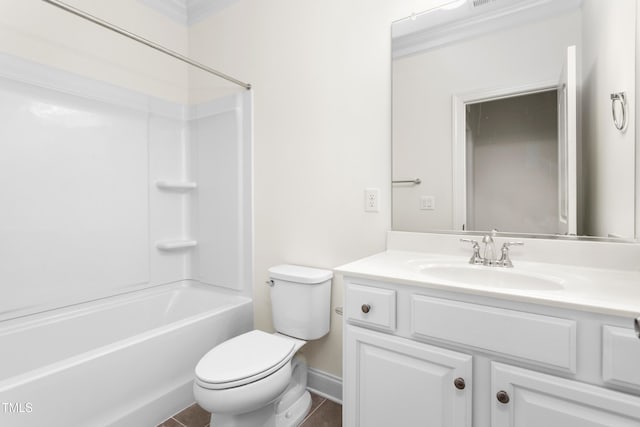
(172, 245)
(177, 185)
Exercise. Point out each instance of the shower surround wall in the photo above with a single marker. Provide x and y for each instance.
(126, 228)
(84, 211)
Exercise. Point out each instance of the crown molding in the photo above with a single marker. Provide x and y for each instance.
(442, 26)
(187, 12)
(176, 10)
(198, 10)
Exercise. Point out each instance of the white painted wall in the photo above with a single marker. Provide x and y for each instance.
(40, 32)
(636, 116)
(423, 86)
(321, 78)
(609, 155)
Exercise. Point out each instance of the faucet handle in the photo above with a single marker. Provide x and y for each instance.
(507, 244)
(504, 260)
(473, 242)
(475, 258)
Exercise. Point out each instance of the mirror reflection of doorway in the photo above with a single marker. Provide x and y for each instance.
(524, 176)
(512, 163)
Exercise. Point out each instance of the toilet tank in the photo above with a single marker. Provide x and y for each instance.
(301, 300)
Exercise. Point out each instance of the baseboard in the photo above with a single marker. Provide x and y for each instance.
(326, 385)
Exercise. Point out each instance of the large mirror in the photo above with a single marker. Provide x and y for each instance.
(516, 115)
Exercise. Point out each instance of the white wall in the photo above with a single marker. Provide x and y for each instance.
(40, 32)
(423, 87)
(321, 84)
(609, 155)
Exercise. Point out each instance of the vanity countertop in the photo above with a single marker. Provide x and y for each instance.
(606, 291)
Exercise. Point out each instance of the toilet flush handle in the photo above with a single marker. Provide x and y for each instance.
(269, 283)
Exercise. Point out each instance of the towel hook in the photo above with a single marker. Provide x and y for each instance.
(620, 123)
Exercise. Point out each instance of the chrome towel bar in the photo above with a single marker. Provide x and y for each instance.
(416, 181)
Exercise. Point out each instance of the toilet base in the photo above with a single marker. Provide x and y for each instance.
(263, 417)
(294, 415)
(266, 416)
(291, 407)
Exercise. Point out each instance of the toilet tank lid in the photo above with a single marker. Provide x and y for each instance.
(300, 274)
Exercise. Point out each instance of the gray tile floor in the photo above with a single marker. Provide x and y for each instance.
(323, 413)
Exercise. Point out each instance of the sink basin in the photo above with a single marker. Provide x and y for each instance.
(491, 277)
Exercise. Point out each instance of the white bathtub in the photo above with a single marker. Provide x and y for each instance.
(124, 361)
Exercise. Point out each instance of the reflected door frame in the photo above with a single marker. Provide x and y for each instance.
(459, 102)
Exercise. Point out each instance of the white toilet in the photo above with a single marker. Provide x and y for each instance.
(254, 380)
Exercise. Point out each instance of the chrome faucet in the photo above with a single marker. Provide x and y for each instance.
(488, 256)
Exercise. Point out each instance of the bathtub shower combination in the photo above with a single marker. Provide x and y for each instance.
(125, 360)
(126, 224)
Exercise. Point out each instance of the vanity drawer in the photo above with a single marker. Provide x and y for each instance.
(367, 305)
(550, 341)
(620, 356)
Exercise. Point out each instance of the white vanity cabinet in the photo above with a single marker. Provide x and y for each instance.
(528, 398)
(419, 356)
(392, 381)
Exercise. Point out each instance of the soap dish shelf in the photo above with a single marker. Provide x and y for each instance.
(174, 245)
(177, 185)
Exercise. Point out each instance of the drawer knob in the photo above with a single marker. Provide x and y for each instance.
(459, 383)
(365, 308)
(503, 397)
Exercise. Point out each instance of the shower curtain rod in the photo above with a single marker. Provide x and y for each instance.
(144, 41)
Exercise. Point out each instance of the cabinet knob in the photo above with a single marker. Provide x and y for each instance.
(459, 383)
(365, 308)
(503, 397)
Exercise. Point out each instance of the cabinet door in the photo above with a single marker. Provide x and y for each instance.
(392, 381)
(536, 399)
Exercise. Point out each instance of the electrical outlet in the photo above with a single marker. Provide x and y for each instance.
(427, 203)
(372, 200)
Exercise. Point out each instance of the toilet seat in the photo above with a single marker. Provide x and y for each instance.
(244, 359)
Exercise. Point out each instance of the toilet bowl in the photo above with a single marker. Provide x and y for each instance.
(245, 373)
(256, 379)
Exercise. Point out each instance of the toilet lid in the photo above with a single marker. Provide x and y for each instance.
(243, 359)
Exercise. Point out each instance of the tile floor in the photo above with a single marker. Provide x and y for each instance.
(323, 413)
